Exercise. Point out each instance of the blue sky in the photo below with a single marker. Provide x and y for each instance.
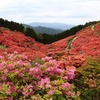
(60, 11)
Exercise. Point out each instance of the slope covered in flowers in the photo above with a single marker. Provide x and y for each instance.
(13, 40)
(20, 79)
(87, 42)
(60, 71)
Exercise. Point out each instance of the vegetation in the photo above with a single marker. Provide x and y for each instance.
(44, 37)
(30, 70)
(2, 46)
(87, 80)
(20, 80)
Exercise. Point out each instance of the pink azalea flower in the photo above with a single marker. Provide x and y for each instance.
(59, 71)
(1, 64)
(13, 88)
(9, 98)
(46, 58)
(66, 85)
(15, 52)
(70, 77)
(50, 92)
(44, 82)
(5, 71)
(21, 62)
(66, 77)
(35, 70)
(29, 64)
(4, 77)
(1, 57)
(11, 65)
(8, 91)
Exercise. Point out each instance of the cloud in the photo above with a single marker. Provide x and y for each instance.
(65, 11)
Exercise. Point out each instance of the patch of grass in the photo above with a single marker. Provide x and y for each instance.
(2, 47)
(37, 60)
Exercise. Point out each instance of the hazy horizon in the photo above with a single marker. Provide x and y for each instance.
(73, 12)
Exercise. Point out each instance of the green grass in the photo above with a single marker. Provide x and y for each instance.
(2, 47)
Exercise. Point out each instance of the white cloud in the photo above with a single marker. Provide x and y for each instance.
(65, 11)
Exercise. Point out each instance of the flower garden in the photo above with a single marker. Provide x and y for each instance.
(33, 71)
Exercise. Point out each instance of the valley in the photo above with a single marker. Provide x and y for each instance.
(67, 69)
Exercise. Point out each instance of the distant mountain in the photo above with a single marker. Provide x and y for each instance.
(40, 29)
(60, 26)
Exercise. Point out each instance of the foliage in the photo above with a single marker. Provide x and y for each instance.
(20, 80)
(11, 25)
(2, 46)
(87, 80)
(44, 38)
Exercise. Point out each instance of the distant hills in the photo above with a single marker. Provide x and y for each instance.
(60, 26)
(40, 29)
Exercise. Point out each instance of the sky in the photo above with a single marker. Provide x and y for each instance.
(73, 12)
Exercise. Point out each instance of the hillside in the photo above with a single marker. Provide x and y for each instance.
(87, 42)
(22, 44)
(43, 38)
(68, 69)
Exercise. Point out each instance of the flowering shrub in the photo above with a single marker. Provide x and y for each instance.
(21, 79)
(22, 44)
(87, 80)
(87, 42)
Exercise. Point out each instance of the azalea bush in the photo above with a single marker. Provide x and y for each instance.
(87, 79)
(41, 79)
(28, 74)
(22, 44)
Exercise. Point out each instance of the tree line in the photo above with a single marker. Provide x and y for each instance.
(43, 38)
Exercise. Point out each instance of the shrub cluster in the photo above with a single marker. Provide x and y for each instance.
(21, 79)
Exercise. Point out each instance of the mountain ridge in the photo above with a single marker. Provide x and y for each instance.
(41, 29)
(61, 26)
